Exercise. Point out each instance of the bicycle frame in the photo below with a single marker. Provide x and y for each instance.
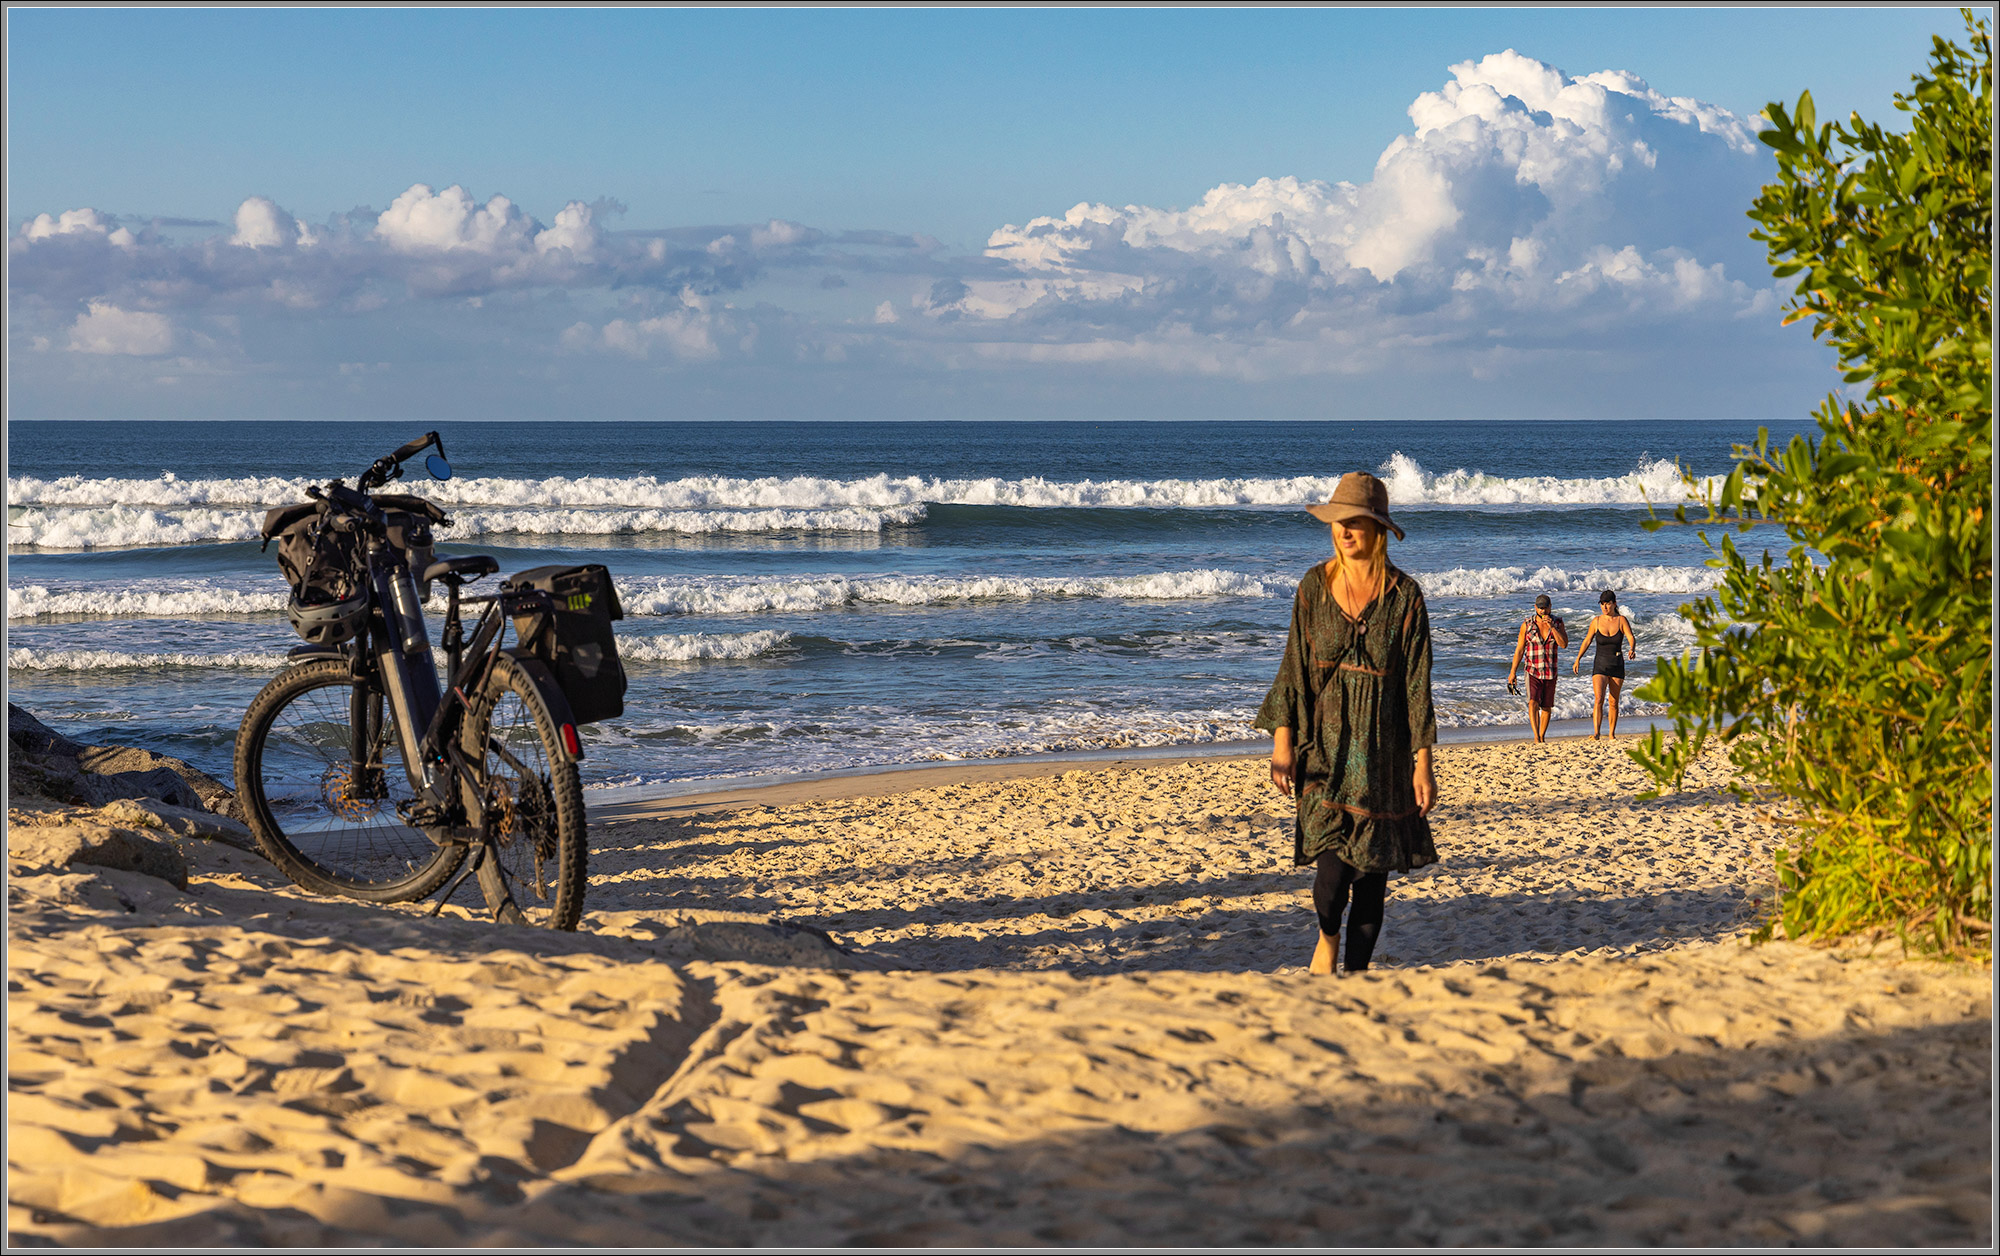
(408, 681)
(489, 751)
(392, 662)
(409, 678)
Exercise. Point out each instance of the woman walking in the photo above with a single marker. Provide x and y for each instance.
(1351, 723)
(1607, 669)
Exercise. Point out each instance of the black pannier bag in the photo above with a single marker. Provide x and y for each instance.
(321, 555)
(324, 557)
(578, 647)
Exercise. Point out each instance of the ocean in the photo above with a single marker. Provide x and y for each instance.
(807, 597)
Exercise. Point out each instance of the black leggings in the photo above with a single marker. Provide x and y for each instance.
(1364, 921)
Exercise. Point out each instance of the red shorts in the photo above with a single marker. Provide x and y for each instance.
(1542, 691)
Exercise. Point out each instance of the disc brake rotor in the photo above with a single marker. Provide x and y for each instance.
(502, 811)
(520, 809)
(337, 787)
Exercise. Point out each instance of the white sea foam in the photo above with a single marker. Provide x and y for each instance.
(1574, 697)
(127, 527)
(888, 738)
(131, 527)
(672, 596)
(184, 601)
(582, 522)
(165, 490)
(695, 646)
(667, 595)
(1656, 480)
(1502, 581)
(683, 648)
(32, 660)
(1409, 485)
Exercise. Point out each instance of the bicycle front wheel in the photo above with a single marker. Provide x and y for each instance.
(319, 768)
(533, 872)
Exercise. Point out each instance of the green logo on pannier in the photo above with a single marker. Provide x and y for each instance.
(579, 601)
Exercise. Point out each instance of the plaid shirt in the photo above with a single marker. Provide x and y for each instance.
(1541, 656)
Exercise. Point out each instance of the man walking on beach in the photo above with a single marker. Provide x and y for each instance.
(1540, 639)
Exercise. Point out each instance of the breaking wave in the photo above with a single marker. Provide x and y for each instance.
(666, 595)
(670, 596)
(133, 527)
(1501, 581)
(646, 503)
(32, 660)
(174, 602)
(696, 646)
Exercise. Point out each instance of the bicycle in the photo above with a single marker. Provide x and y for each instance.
(361, 776)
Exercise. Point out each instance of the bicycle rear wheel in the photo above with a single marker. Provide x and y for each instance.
(534, 873)
(325, 816)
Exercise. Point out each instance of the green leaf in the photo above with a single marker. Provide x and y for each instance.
(1849, 678)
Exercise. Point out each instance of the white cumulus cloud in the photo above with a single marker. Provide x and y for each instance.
(1519, 192)
(575, 229)
(75, 222)
(1528, 222)
(105, 328)
(260, 224)
(423, 221)
(689, 333)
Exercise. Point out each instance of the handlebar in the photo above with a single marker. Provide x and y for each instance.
(390, 467)
(351, 500)
(355, 501)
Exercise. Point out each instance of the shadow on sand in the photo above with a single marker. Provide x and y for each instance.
(1663, 1151)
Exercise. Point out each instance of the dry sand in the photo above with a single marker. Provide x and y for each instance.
(1070, 1009)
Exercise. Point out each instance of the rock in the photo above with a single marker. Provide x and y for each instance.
(27, 733)
(145, 813)
(48, 764)
(129, 763)
(98, 844)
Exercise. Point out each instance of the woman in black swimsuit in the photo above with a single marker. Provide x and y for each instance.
(1607, 672)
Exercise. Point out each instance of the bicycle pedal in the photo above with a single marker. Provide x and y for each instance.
(435, 822)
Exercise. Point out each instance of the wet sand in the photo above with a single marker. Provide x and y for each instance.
(1059, 1005)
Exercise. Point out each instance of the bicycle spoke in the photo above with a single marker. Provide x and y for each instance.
(333, 820)
(534, 809)
(524, 834)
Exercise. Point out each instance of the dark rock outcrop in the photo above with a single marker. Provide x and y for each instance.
(42, 762)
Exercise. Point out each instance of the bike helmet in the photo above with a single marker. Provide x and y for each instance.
(328, 623)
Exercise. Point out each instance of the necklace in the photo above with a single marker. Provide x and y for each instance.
(1347, 584)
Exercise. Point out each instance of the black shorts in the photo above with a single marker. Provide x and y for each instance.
(1542, 691)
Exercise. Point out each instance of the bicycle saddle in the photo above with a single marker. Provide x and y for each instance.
(470, 567)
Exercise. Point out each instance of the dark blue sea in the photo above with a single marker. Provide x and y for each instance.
(812, 596)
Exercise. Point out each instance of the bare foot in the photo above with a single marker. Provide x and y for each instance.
(1322, 961)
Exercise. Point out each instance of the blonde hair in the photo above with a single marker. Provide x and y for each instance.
(1376, 553)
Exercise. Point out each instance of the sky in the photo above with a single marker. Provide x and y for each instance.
(913, 214)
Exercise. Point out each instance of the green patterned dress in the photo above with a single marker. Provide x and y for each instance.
(1356, 694)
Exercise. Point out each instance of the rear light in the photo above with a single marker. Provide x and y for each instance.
(571, 743)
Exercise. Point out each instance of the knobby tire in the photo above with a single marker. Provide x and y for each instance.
(296, 778)
(534, 873)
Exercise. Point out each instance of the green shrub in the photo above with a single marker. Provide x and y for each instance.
(1852, 682)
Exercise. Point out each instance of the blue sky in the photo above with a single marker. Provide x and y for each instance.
(808, 212)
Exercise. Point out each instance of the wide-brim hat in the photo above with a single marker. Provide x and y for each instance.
(1359, 495)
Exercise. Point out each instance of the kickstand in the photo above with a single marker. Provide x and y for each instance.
(478, 856)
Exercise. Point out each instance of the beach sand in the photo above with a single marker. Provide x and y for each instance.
(1030, 1007)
